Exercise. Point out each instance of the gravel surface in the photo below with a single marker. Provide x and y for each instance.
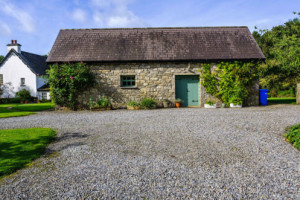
(162, 154)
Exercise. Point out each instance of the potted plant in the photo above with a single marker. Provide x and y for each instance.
(236, 102)
(178, 103)
(101, 103)
(148, 103)
(210, 104)
(133, 105)
(166, 103)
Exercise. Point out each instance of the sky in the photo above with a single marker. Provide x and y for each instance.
(36, 23)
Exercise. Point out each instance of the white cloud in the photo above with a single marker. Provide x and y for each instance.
(20, 15)
(79, 15)
(114, 13)
(4, 29)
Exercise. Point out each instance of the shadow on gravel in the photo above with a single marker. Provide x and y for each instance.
(76, 144)
(68, 136)
(69, 140)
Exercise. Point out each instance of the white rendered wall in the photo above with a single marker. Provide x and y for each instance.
(15, 47)
(40, 95)
(13, 69)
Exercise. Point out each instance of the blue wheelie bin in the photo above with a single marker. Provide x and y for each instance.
(263, 95)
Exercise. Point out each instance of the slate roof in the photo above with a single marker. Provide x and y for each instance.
(155, 44)
(45, 88)
(36, 63)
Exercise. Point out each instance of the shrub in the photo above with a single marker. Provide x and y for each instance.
(209, 103)
(11, 100)
(230, 82)
(286, 93)
(133, 103)
(24, 95)
(148, 103)
(67, 81)
(293, 136)
(103, 101)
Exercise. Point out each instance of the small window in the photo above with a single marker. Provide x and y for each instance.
(44, 95)
(1, 79)
(22, 81)
(128, 81)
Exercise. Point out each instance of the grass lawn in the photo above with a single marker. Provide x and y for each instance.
(19, 147)
(284, 100)
(22, 109)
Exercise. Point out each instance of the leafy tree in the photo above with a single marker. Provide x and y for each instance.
(67, 81)
(281, 46)
(1, 58)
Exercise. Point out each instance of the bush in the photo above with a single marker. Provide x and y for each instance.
(293, 136)
(12, 100)
(148, 103)
(24, 95)
(133, 103)
(286, 93)
(103, 101)
(209, 103)
(67, 81)
(230, 81)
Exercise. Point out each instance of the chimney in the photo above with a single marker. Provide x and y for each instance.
(14, 45)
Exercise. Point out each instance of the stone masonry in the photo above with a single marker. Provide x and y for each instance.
(155, 80)
(298, 93)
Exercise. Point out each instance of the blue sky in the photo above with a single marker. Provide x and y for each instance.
(36, 23)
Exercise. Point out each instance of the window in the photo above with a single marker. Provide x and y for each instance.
(22, 81)
(128, 81)
(1, 79)
(44, 95)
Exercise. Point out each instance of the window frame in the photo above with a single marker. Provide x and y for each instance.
(1, 79)
(44, 93)
(130, 81)
(22, 82)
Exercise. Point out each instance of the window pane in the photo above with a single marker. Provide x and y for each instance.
(22, 81)
(1, 79)
(127, 81)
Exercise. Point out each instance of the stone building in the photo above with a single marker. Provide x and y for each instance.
(161, 63)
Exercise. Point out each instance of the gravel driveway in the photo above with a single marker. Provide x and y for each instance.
(162, 154)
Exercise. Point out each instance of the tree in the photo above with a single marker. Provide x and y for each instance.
(1, 58)
(6, 90)
(281, 46)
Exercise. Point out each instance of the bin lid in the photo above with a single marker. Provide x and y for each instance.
(263, 90)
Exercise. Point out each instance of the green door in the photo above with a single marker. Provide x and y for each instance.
(187, 89)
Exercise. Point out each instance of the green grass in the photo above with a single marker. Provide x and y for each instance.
(18, 147)
(293, 135)
(22, 109)
(34, 106)
(284, 100)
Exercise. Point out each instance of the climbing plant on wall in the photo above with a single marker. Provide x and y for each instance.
(229, 81)
(67, 81)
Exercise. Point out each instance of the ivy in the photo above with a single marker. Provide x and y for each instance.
(67, 81)
(230, 81)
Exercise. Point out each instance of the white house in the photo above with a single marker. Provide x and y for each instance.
(22, 70)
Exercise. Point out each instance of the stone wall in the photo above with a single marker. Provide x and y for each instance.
(155, 80)
(298, 93)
